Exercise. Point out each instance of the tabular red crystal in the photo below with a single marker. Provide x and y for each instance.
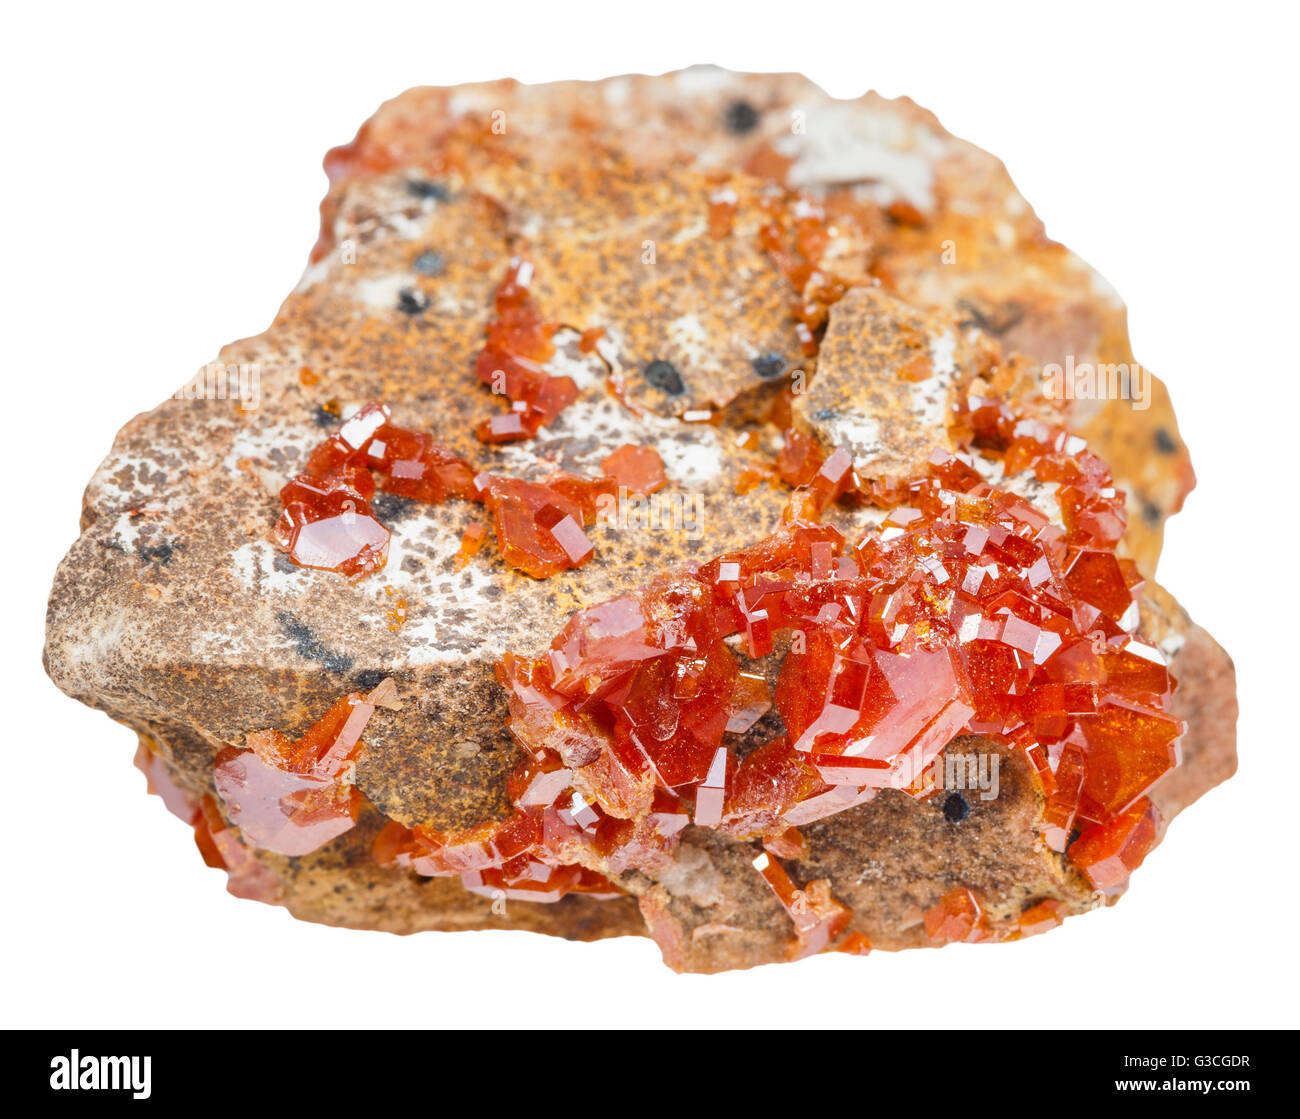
(817, 917)
(1108, 853)
(294, 797)
(957, 916)
(539, 527)
(638, 469)
(1040, 918)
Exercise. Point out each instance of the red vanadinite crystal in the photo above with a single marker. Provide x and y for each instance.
(1108, 852)
(293, 797)
(327, 520)
(958, 916)
(817, 917)
(539, 525)
(218, 843)
(511, 362)
(636, 469)
(1040, 918)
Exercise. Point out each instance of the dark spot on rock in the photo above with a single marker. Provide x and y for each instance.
(430, 263)
(410, 565)
(426, 188)
(311, 646)
(1165, 442)
(491, 591)
(412, 301)
(284, 565)
(388, 507)
(740, 117)
(1151, 513)
(822, 415)
(768, 366)
(157, 553)
(368, 678)
(324, 417)
(955, 808)
(992, 320)
(663, 375)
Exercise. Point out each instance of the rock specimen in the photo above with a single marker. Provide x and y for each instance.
(691, 506)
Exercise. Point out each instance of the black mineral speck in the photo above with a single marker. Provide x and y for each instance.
(425, 188)
(284, 565)
(311, 646)
(955, 808)
(157, 553)
(412, 301)
(663, 375)
(1151, 512)
(740, 117)
(367, 679)
(768, 366)
(388, 507)
(1165, 442)
(430, 263)
(324, 417)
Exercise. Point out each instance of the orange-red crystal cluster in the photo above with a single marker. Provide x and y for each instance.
(968, 611)
(511, 363)
(328, 521)
(293, 797)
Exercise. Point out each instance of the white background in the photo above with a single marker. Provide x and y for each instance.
(161, 177)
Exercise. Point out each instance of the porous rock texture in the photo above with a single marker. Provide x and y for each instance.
(175, 614)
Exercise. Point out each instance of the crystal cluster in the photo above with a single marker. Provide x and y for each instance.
(968, 611)
(327, 520)
(511, 363)
(540, 527)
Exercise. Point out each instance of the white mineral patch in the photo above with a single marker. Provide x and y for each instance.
(406, 227)
(264, 442)
(853, 144)
(692, 340)
(943, 354)
(703, 79)
(141, 471)
(254, 566)
(314, 273)
(929, 404)
(126, 530)
(1171, 644)
(587, 371)
(616, 92)
(101, 641)
(691, 463)
(434, 639)
(859, 434)
(380, 292)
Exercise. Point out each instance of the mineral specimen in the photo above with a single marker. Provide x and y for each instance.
(695, 482)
